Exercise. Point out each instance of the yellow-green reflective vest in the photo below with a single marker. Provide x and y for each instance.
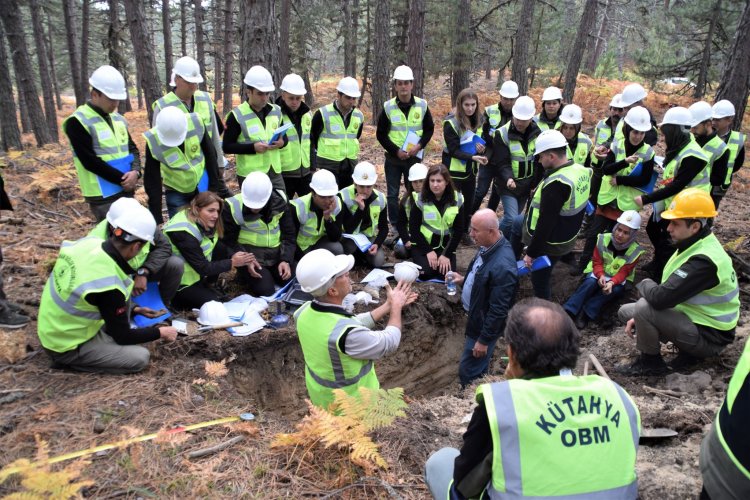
(435, 224)
(583, 147)
(714, 149)
(338, 142)
(495, 118)
(735, 142)
(521, 161)
(723, 427)
(256, 232)
(180, 222)
(543, 125)
(100, 231)
(562, 437)
(457, 167)
(701, 181)
(348, 194)
(326, 366)
(623, 194)
(252, 130)
(578, 178)
(66, 318)
(295, 156)
(401, 125)
(602, 136)
(180, 170)
(110, 143)
(718, 307)
(611, 263)
(203, 106)
(311, 229)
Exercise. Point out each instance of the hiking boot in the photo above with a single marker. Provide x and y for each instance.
(18, 309)
(12, 320)
(683, 361)
(646, 365)
(581, 320)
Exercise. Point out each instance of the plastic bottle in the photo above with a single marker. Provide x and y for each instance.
(450, 285)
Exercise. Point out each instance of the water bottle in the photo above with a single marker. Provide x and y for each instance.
(450, 285)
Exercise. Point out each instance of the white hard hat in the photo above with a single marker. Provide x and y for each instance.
(138, 223)
(364, 174)
(571, 114)
(524, 108)
(639, 119)
(722, 109)
(406, 271)
(677, 116)
(256, 190)
(259, 78)
(122, 206)
(509, 89)
(550, 139)
(349, 86)
(616, 101)
(403, 73)
(293, 84)
(171, 126)
(109, 82)
(188, 69)
(317, 268)
(700, 111)
(632, 93)
(551, 94)
(213, 313)
(417, 172)
(323, 182)
(630, 218)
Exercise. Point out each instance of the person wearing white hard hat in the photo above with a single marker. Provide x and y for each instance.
(513, 160)
(258, 220)
(417, 176)
(295, 157)
(251, 127)
(722, 119)
(633, 95)
(603, 134)
(403, 115)
(609, 272)
(195, 233)
(180, 161)
(579, 144)
(317, 217)
(84, 318)
(556, 210)
(335, 132)
(715, 148)
(340, 347)
(549, 117)
(364, 212)
(685, 165)
(106, 159)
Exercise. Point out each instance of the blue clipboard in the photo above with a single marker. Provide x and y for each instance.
(471, 147)
(121, 164)
(203, 182)
(151, 299)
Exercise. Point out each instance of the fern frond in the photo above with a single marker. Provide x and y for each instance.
(25, 495)
(365, 452)
(23, 464)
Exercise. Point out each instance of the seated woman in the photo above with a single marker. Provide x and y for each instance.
(436, 224)
(417, 174)
(194, 233)
(613, 265)
(259, 221)
(364, 213)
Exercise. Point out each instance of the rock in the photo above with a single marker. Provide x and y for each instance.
(99, 426)
(694, 383)
(719, 385)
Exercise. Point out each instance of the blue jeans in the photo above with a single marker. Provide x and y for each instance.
(484, 181)
(393, 174)
(511, 206)
(471, 368)
(176, 200)
(540, 280)
(589, 298)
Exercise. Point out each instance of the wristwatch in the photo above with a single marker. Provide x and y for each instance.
(142, 272)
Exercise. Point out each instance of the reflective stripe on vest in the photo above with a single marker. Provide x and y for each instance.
(456, 167)
(624, 195)
(348, 195)
(180, 170)
(295, 156)
(583, 147)
(311, 229)
(253, 130)
(180, 222)
(203, 106)
(255, 232)
(494, 118)
(611, 263)
(338, 142)
(602, 137)
(521, 161)
(401, 125)
(100, 231)
(735, 385)
(735, 142)
(701, 180)
(435, 224)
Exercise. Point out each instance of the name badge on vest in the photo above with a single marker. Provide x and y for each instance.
(396, 118)
(430, 216)
(253, 130)
(335, 128)
(105, 134)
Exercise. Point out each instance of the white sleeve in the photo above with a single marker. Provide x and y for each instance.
(364, 343)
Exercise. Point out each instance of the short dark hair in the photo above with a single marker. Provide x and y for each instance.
(559, 152)
(543, 343)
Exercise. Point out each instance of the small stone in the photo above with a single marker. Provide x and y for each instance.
(678, 461)
(99, 426)
(694, 383)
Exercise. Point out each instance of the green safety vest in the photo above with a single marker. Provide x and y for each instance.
(338, 142)
(252, 130)
(623, 194)
(100, 231)
(435, 224)
(401, 125)
(66, 318)
(310, 228)
(718, 307)
(735, 142)
(495, 118)
(578, 178)
(180, 222)
(701, 181)
(583, 148)
(203, 106)
(295, 156)
(256, 232)
(110, 143)
(561, 437)
(543, 125)
(378, 205)
(735, 384)
(611, 263)
(602, 136)
(180, 170)
(521, 161)
(456, 167)
(326, 366)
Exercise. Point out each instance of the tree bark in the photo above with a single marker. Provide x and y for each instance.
(585, 26)
(167, 29)
(228, 56)
(285, 65)
(416, 43)
(13, 24)
(368, 51)
(23, 110)
(519, 71)
(735, 79)
(218, 41)
(183, 27)
(599, 42)
(51, 56)
(148, 74)
(461, 49)
(10, 136)
(700, 86)
(355, 31)
(350, 65)
(116, 59)
(199, 42)
(380, 78)
(259, 43)
(44, 71)
(84, 43)
(75, 66)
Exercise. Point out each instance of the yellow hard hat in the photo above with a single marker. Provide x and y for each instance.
(691, 203)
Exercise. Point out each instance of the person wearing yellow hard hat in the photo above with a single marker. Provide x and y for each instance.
(697, 305)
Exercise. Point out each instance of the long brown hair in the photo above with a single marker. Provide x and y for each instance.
(450, 191)
(463, 120)
(202, 200)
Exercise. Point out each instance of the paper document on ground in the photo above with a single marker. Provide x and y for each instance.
(362, 241)
(252, 323)
(376, 274)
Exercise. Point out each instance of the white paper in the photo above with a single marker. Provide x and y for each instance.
(362, 241)
(235, 310)
(252, 323)
(412, 139)
(376, 274)
(467, 137)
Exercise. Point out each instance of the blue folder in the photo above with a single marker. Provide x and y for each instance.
(648, 188)
(537, 264)
(203, 182)
(471, 147)
(151, 299)
(121, 164)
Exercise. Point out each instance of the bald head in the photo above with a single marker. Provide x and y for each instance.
(484, 227)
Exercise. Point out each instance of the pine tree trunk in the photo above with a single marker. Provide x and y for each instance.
(532, 71)
(144, 47)
(75, 66)
(259, 43)
(10, 136)
(368, 51)
(139, 90)
(228, 56)
(166, 24)
(84, 43)
(585, 26)
(44, 72)
(519, 71)
(599, 42)
(51, 55)
(23, 111)
(355, 31)
(309, 97)
(735, 79)
(116, 60)
(350, 66)
(199, 40)
(461, 49)
(13, 22)
(416, 43)
(218, 40)
(700, 86)
(183, 27)
(380, 73)
(285, 65)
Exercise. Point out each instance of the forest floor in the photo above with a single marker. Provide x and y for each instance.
(264, 372)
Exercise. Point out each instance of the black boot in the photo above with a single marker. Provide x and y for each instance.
(683, 361)
(646, 365)
(581, 320)
(12, 320)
